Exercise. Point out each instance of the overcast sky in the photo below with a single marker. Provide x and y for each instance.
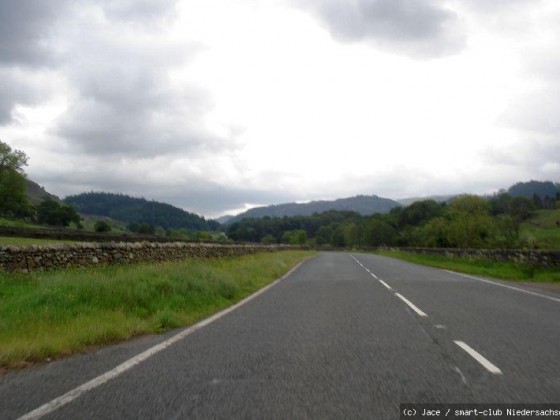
(218, 105)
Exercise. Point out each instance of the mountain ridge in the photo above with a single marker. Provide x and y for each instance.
(363, 204)
(36, 193)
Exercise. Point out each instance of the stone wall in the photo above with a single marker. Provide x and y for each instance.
(532, 257)
(39, 258)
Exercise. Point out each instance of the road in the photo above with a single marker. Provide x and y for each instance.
(346, 335)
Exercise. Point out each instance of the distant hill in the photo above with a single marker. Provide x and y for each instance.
(529, 189)
(36, 194)
(224, 219)
(405, 202)
(363, 204)
(138, 210)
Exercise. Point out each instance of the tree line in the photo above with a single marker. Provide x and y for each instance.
(14, 203)
(467, 221)
(142, 215)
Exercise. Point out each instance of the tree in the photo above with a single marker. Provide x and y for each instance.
(470, 205)
(337, 238)
(324, 235)
(49, 212)
(142, 228)
(521, 208)
(469, 223)
(378, 232)
(500, 203)
(10, 159)
(102, 226)
(420, 212)
(268, 239)
(14, 202)
(295, 237)
(352, 234)
(435, 233)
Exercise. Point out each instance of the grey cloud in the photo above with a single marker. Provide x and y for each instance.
(26, 30)
(142, 11)
(534, 157)
(18, 88)
(131, 110)
(124, 102)
(105, 129)
(28, 35)
(535, 113)
(25, 27)
(419, 28)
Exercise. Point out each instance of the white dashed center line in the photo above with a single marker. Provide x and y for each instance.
(479, 358)
(411, 305)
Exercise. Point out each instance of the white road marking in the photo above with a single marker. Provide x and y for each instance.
(384, 284)
(405, 300)
(412, 305)
(473, 353)
(129, 364)
(504, 285)
(479, 358)
(463, 377)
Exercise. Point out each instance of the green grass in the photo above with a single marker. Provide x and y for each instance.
(88, 224)
(487, 268)
(8, 241)
(15, 223)
(48, 315)
(543, 229)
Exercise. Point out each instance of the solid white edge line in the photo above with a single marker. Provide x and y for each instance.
(479, 358)
(139, 358)
(504, 285)
(412, 305)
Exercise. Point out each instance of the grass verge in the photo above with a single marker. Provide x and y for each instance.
(48, 315)
(9, 241)
(481, 267)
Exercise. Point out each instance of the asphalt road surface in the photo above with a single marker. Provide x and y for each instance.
(346, 335)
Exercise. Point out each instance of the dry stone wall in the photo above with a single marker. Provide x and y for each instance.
(39, 258)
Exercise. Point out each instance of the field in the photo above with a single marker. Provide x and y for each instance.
(48, 315)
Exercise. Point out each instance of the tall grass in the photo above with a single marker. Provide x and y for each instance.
(543, 229)
(482, 267)
(46, 315)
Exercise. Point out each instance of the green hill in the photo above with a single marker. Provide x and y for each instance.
(35, 193)
(138, 210)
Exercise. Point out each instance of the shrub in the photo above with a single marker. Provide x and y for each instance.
(102, 226)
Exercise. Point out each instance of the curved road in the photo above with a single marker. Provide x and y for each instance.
(346, 335)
